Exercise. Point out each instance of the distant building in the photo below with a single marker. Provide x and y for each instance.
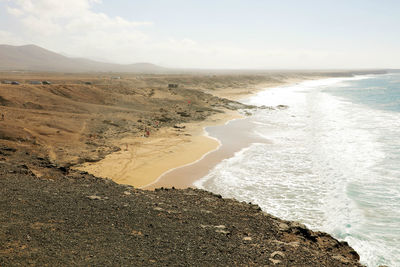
(88, 83)
(15, 82)
(46, 82)
(173, 85)
(6, 82)
(116, 78)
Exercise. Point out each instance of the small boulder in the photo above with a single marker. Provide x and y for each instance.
(94, 197)
(283, 227)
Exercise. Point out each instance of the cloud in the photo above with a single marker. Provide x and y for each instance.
(66, 15)
(9, 38)
(74, 28)
(15, 11)
(53, 9)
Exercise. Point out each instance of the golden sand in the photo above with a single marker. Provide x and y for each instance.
(142, 160)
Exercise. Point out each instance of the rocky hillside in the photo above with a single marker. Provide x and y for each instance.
(69, 218)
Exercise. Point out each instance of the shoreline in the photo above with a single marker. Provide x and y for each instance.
(186, 175)
(142, 161)
(154, 184)
(165, 159)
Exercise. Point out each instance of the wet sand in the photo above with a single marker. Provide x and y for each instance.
(232, 137)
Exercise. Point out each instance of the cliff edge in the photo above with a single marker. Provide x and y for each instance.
(71, 218)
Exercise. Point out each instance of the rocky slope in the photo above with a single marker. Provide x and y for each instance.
(69, 218)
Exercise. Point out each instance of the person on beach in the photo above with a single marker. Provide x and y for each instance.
(146, 132)
(2, 116)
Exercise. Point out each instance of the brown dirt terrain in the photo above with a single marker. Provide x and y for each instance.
(75, 122)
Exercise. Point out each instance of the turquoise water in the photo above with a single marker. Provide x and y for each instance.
(332, 161)
(380, 92)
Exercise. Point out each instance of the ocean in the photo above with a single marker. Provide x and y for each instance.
(330, 160)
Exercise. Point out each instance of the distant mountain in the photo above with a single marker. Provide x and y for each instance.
(35, 58)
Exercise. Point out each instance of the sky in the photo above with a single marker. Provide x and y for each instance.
(225, 34)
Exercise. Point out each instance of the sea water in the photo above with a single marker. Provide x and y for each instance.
(332, 161)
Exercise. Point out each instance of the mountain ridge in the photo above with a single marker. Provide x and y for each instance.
(35, 58)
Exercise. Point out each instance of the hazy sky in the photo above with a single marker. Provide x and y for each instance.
(212, 33)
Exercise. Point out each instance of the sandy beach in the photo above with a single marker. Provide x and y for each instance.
(174, 157)
(177, 157)
(228, 135)
(142, 160)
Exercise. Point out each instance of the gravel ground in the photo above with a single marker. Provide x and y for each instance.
(70, 218)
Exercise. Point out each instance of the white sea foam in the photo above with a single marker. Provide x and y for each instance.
(331, 164)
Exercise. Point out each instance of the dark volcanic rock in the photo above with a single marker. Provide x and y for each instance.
(81, 220)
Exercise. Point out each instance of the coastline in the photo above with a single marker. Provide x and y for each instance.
(185, 175)
(177, 157)
(28, 168)
(238, 177)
